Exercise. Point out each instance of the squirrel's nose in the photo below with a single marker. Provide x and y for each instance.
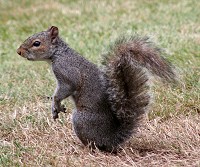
(19, 51)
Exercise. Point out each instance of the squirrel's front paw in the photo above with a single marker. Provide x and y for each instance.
(54, 113)
(62, 109)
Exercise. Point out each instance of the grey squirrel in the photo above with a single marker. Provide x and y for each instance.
(109, 103)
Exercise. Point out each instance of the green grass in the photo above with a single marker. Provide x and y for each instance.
(89, 27)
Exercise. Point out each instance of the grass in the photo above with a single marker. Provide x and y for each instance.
(29, 136)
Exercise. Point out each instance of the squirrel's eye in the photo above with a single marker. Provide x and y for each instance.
(36, 43)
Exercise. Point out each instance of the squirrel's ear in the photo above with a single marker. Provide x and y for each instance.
(53, 31)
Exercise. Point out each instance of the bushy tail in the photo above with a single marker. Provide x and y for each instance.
(126, 68)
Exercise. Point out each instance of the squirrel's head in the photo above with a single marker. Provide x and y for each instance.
(39, 46)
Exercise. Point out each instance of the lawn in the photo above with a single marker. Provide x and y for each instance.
(170, 136)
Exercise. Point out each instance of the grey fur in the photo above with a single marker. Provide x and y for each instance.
(109, 104)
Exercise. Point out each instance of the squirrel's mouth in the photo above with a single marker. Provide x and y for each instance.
(30, 59)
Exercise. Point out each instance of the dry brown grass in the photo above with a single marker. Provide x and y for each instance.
(36, 140)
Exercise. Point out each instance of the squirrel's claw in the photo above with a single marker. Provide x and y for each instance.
(55, 114)
(63, 109)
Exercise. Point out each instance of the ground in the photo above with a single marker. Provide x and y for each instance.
(170, 136)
